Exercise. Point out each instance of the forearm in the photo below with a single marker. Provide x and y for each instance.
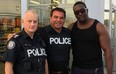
(109, 62)
(46, 67)
(9, 68)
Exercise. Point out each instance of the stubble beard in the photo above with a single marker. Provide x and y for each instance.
(82, 21)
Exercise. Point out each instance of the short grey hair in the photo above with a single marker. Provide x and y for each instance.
(31, 11)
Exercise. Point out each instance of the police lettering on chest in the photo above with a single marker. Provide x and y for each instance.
(36, 52)
(58, 40)
(32, 51)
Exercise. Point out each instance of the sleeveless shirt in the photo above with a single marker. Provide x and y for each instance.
(86, 47)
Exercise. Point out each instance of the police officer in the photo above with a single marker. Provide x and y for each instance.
(58, 42)
(25, 52)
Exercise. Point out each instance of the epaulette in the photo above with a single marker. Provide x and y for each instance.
(17, 35)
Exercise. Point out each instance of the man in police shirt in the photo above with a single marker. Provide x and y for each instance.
(58, 42)
(25, 52)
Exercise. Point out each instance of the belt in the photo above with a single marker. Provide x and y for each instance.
(56, 72)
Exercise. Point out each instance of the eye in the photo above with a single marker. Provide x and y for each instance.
(82, 11)
(29, 21)
(34, 21)
(62, 18)
(76, 12)
(55, 16)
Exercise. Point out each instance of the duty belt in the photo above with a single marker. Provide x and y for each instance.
(56, 72)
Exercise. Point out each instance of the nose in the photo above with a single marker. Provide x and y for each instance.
(58, 19)
(32, 23)
(80, 13)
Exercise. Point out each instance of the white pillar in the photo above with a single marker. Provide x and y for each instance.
(110, 19)
(114, 65)
(115, 23)
(23, 7)
(96, 9)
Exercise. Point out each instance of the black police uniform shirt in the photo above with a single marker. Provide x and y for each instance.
(58, 48)
(27, 55)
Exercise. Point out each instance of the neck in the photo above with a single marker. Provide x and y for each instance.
(31, 34)
(85, 21)
(88, 23)
(58, 30)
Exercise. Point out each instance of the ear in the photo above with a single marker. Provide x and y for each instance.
(87, 10)
(22, 21)
(50, 17)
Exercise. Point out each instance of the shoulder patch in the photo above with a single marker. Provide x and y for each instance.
(11, 45)
(16, 36)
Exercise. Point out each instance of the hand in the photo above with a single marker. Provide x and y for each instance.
(10, 36)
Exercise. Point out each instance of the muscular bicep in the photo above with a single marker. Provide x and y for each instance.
(103, 37)
(70, 26)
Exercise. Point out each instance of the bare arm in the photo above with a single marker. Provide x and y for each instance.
(106, 46)
(70, 26)
(46, 67)
(8, 68)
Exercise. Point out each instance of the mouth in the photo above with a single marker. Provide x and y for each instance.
(58, 23)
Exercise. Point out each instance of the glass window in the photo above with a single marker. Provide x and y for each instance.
(44, 7)
(39, 1)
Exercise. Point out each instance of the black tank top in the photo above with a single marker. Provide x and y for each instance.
(86, 47)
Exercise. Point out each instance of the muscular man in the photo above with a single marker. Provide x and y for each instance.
(89, 38)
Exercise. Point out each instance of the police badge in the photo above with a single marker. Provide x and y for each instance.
(11, 45)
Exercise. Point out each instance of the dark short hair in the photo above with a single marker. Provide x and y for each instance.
(58, 9)
(80, 2)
